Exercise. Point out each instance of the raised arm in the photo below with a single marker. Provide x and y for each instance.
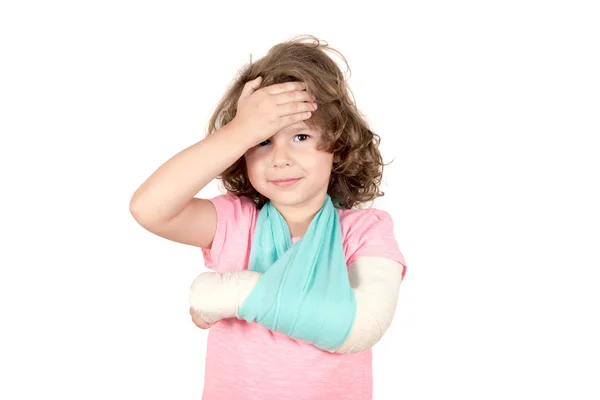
(165, 204)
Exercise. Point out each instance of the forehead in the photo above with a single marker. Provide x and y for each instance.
(299, 126)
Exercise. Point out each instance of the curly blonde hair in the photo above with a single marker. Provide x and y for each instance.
(356, 177)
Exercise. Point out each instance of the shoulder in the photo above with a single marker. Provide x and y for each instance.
(234, 207)
(236, 218)
(369, 232)
(360, 221)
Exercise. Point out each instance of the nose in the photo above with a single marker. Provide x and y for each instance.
(280, 157)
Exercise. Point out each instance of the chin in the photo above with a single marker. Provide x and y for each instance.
(286, 199)
(293, 198)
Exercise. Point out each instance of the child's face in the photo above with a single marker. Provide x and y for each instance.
(290, 153)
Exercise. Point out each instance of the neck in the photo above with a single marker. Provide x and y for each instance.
(299, 216)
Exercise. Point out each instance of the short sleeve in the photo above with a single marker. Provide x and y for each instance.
(235, 217)
(372, 235)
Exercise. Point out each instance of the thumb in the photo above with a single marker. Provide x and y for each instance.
(251, 87)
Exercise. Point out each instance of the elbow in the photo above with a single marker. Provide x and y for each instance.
(374, 315)
(135, 209)
(141, 214)
(366, 332)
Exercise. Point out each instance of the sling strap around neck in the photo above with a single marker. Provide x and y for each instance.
(304, 290)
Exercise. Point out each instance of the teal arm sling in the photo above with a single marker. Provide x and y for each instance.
(304, 290)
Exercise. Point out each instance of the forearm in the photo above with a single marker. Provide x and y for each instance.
(218, 296)
(167, 191)
(375, 283)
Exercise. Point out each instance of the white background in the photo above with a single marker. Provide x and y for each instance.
(490, 111)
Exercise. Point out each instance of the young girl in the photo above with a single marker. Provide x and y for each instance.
(288, 144)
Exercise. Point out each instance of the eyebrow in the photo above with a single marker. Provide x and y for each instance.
(307, 128)
(300, 128)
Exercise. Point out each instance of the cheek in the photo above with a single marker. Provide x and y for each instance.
(254, 168)
(319, 162)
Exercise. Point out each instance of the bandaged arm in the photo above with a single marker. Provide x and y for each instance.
(375, 282)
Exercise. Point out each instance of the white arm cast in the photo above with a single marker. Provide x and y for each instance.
(375, 282)
(217, 296)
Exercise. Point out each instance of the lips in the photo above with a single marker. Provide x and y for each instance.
(285, 182)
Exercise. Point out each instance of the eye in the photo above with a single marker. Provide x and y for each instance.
(303, 135)
(261, 144)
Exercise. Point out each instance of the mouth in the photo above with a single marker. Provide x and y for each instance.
(285, 182)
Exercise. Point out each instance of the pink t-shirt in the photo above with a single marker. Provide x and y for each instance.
(245, 361)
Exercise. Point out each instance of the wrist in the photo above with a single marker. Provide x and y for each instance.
(217, 296)
(245, 282)
(238, 133)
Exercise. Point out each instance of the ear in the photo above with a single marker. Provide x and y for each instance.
(336, 159)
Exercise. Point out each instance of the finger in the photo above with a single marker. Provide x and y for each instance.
(295, 107)
(251, 87)
(200, 322)
(296, 95)
(293, 118)
(285, 87)
(195, 315)
(209, 324)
